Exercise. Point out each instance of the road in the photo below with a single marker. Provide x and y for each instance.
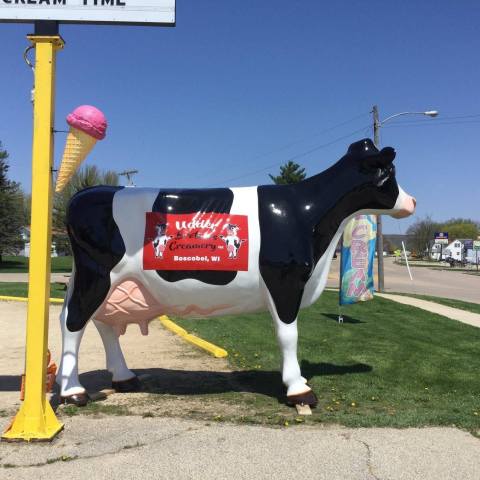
(426, 281)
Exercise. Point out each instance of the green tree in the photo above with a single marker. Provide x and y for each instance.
(421, 234)
(461, 228)
(88, 176)
(290, 173)
(11, 210)
(27, 205)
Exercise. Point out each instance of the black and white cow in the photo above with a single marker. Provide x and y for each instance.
(292, 234)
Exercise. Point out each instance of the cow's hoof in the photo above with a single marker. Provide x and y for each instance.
(306, 398)
(77, 399)
(131, 385)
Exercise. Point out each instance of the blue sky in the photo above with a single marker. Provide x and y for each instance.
(238, 88)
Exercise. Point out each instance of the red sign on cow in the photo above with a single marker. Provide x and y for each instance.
(195, 241)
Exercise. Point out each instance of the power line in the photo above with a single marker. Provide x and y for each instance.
(301, 140)
(294, 157)
(464, 119)
(428, 124)
(321, 132)
(441, 120)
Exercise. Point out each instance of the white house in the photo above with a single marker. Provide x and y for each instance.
(25, 251)
(459, 249)
(454, 250)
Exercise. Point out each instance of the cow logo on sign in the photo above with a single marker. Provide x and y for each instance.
(160, 241)
(195, 241)
(232, 241)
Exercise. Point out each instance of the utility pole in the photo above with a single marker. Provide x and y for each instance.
(129, 174)
(376, 141)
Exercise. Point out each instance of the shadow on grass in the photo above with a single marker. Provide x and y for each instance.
(16, 265)
(180, 382)
(346, 318)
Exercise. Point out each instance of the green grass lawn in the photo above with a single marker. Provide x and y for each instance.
(449, 302)
(17, 289)
(20, 264)
(387, 365)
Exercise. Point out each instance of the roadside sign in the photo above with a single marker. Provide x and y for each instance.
(476, 244)
(441, 238)
(133, 12)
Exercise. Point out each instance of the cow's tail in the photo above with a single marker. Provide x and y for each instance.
(97, 247)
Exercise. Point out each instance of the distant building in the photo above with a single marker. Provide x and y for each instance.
(458, 250)
(25, 251)
(454, 250)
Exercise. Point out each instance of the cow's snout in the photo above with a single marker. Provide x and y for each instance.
(405, 205)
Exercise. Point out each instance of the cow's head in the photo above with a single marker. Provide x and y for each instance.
(374, 179)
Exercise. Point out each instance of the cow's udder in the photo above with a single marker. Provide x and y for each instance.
(129, 302)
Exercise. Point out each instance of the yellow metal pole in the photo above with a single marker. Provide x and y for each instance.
(36, 420)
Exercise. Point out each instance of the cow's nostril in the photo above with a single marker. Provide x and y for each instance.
(414, 202)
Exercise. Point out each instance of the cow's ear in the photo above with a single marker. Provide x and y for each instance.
(382, 159)
(388, 155)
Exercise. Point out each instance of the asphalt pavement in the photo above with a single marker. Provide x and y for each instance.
(426, 281)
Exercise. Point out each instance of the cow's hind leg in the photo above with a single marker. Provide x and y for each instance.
(71, 390)
(123, 379)
(298, 392)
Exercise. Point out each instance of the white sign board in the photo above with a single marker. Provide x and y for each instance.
(159, 12)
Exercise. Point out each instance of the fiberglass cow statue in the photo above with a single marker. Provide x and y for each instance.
(223, 251)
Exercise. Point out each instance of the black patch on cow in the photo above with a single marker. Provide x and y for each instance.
(298, 222)
(286, 257)
(97, 247)
(181, 201)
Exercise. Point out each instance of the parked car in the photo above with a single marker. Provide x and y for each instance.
(456, 263)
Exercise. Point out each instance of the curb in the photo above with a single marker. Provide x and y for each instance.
(203, 344)
(25, 299)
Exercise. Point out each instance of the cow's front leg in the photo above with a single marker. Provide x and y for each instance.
(298, 392)
(123, 379)
(71, 390)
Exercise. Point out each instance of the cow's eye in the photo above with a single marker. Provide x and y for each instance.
(384, 174)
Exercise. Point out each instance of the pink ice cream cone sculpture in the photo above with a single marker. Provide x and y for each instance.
(87, 126)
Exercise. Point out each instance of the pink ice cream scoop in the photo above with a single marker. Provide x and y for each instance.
(90, 120)
(87, 126)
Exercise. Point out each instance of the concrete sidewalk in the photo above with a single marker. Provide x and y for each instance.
(23, 277)
(463, 316)
(161, 448)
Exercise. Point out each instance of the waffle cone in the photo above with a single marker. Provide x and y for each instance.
(78, 146)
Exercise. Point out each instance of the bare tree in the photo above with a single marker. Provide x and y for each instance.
(422, 233)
